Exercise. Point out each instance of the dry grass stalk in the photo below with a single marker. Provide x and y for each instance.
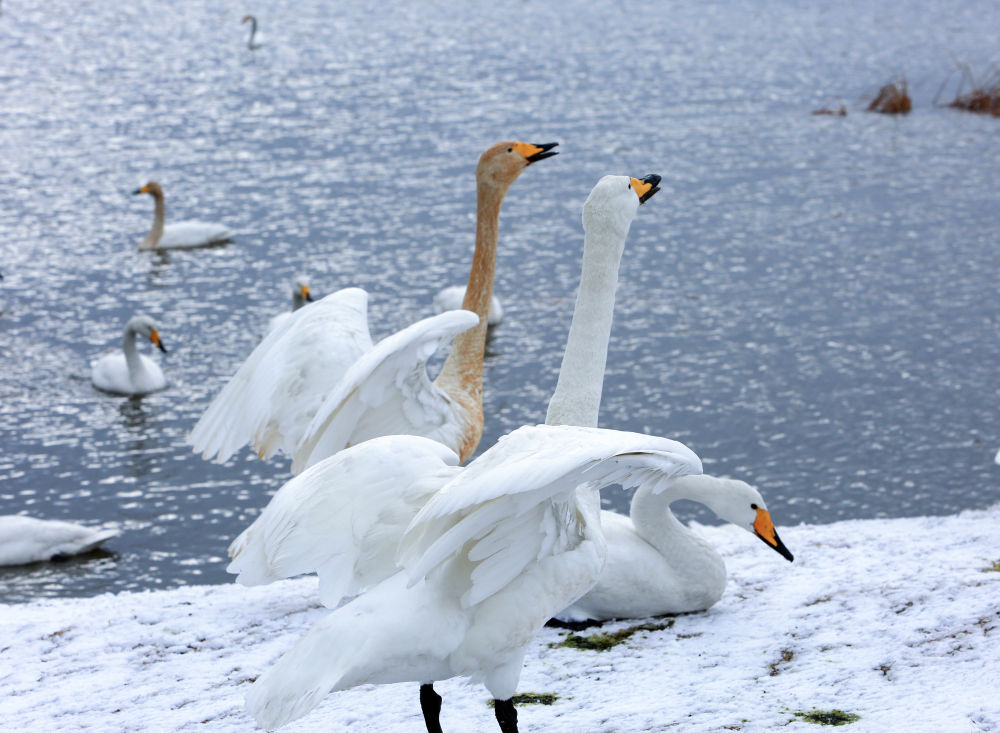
(981, 100)
(892, 99)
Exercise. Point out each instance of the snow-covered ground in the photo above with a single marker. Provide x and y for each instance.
(895, 621)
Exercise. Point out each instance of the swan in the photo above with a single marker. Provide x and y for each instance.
(300, 296)
(127, 371)
(656, 565)
(318, 383)
(179, 235)
(254, 41)
(26, 539)
(451, 298)
(487, 553)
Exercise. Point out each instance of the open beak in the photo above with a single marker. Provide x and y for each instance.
(305, 294)
(763, 527)
(646, 187)
(533, 153)
(154, 336)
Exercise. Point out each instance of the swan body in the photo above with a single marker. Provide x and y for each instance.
(26, 539)
(127, 371)
(656, 565)
(255, 40)
(451, 298)
(300, 296)
(310, 396)
(178, 235)
(500, 546)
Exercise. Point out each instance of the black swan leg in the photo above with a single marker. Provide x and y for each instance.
(506, 715)
(430, 706)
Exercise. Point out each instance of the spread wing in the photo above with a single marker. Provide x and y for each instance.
(343, 518)
(387, 392)
(517, 503)
(273, 396)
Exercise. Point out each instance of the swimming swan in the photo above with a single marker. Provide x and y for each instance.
(253, 42)
(487, 553)
(26, 539)
(179, 235)
(127, 371)
(318, 383)
(451, 298)
(300, 296)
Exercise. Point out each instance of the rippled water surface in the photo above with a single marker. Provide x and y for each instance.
(810, 303)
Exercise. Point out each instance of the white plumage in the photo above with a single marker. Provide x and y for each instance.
(127, 371)
(178, 235)
(26, 539)
(451, 298)
(320, 368)
(499, 548)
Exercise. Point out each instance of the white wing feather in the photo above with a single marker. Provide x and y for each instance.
(515, 503)
(387, 392)
(343, 518)
(273, 396)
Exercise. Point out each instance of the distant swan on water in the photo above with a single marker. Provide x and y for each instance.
(451, 298)
(25, 540)
(179, 235)
(254, 41)
(127, 371)
(300, 296)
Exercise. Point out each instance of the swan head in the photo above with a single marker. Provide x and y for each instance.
(248, 19)
(152, 188)
(737, 502)
(146, 326)
(503, 162)
(615, 199)
(300, 291)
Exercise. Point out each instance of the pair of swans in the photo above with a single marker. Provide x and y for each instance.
(127, 371)
(178, 235)
(317, 383)
(26, 540)
(464, 566)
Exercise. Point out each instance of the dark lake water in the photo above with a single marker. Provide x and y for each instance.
(811, 303)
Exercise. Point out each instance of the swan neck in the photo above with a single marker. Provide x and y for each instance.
(577, 397)
(131, 352)
(462, 373)
(689, 553)
(159, 212)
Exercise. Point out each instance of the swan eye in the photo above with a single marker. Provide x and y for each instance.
(510, 150)
(629, 186)
(754, 507)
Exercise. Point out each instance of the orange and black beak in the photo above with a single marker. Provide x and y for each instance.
(534, 153)
(763, 527)
(137, 191)
(646, 187)
(154, 336)
(306, 295)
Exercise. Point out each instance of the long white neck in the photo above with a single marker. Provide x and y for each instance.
(690, 555)
(153, 238)
(132, 359)
(577, 398)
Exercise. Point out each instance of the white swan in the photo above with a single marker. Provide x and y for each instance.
(127, 371)
(255, 41)
(656, 565)
(178, 235)
(300, 296)
(26, 539)
(494, 549)
(318, 384)
(451, 298)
